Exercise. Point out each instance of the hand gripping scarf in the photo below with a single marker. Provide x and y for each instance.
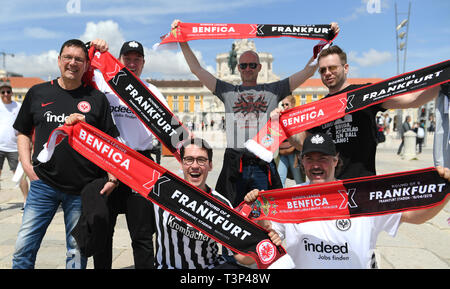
(139, 98)
(365, 196)
(304, 117)
(158, 185)
(194, 31)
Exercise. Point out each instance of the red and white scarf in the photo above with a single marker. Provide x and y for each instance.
(207, 214)
(194, 31)
(304, 117)
(358, 197)
(139, 98)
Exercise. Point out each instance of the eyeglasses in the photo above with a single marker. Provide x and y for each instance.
(252, 65)
(188, 161)
(331, 68)
(6, 92)
(69, 58)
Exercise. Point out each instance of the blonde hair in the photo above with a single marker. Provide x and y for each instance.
(291, 99)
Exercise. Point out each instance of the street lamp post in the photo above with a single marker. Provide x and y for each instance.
(401, 47)
(4, 54)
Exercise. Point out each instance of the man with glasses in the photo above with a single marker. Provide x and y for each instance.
(179, 245)
(247, 109)
(355, 134)
(8, 135)
(351, 242)
(61, 179)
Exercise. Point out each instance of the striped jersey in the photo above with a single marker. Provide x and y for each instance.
(181, 246)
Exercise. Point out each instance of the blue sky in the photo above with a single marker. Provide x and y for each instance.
(34, 31)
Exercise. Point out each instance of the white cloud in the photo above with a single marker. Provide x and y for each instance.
(40, 33)
(370, 58)
(107, 30)
(163, 63)
(144, 11)
(170, 64)
(43, 65)
(364, 9)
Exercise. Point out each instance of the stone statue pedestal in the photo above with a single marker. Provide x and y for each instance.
(409, 148)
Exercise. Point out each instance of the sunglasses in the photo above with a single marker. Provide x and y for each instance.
(331, 68)
(252, 65)
(6, 92)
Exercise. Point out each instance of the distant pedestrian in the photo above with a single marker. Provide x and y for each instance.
(406, 126)
(419, 129)
(288, 153)
(8, 135)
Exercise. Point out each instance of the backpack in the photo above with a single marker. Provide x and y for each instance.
(420, 132)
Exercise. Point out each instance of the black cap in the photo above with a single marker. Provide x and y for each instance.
(319, 142)
(132, 46)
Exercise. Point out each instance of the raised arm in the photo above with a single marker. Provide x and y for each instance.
(412, 100)
(421, 216)
(202, 74)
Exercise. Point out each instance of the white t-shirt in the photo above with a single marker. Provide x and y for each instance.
(133, 132)
(336, 244)
(8, 135)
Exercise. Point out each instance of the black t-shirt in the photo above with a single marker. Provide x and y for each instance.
(355, 138)
(45, 108)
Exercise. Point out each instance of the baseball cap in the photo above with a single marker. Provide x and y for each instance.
(4, 83)
(132, 46)
(319, 142)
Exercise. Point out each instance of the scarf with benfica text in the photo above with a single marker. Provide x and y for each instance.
(207, 214)
(139, 98)
(194, 31)
(364, 196)
(307, 116)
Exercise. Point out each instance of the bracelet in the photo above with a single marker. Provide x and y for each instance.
(116, 181)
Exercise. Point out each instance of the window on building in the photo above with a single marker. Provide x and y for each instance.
(302, 99)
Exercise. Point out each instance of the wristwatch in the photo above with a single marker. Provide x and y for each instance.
(116, 181)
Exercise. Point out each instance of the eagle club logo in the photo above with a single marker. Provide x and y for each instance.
(343, 224)
(248, 103)
(266, 251)
(84, 106)
(133, 44)
(317, 139)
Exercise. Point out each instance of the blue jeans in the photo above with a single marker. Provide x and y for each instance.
(287, 163)
(253, 177)
(41, 206)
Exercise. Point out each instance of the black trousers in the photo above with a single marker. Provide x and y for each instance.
(141, 226)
